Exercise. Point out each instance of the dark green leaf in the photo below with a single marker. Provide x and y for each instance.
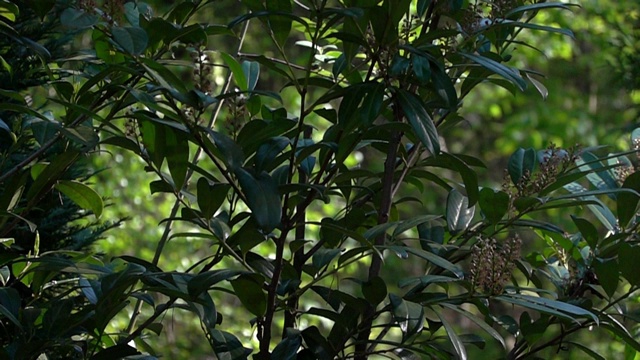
(481, 323)
(51, 173)
(421, 68)
(226, 346)
(528, 25)
(268, 151)
(232, 154)
(287, 349)
(250, 293)
(323, 257)
(210, 196)
(420, 120)
(628, 259)
(413, 222)
(458, 346)
(262, 197)
(548, 306)
(10, 305)
(469, 177)
(521, 162)
(236, 70)
(119, 351)
(435, 260)
(494, 204)
(42, 7)
(177, 152)
(408, 315)
(537, 6)
(133, 40)
(374, 290)
(586, 350)
(505, 71)
(627, 202)
(279, 25)
(608, 275)
(598, 175)
(588, 231)
(601, 211)
(77, 19)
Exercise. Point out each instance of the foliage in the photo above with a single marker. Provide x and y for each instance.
(251, 172)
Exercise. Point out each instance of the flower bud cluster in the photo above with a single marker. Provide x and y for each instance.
(202, 69)
(492, 263)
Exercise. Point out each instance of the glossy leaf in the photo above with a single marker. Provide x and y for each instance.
(408, 315)
(232, 154)
(82, 195)
(598, 175)
(505, 71)
(601, 211)
(522, 161)
(548, 306)
(458, 345)
(251, 70)
(420, 120)
(459, 214)
(227, 346)
(51, 173)
(481, 323)
(436, 260)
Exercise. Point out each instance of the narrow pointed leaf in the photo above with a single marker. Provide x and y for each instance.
(420, 120)
(458, 345)
(500, 69)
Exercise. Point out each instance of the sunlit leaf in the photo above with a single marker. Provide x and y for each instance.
(459, 214)
(82, 195)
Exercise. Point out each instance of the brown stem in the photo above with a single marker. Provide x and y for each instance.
(298, 255)
(383, 217)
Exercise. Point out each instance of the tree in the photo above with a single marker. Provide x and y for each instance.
(382, 78)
